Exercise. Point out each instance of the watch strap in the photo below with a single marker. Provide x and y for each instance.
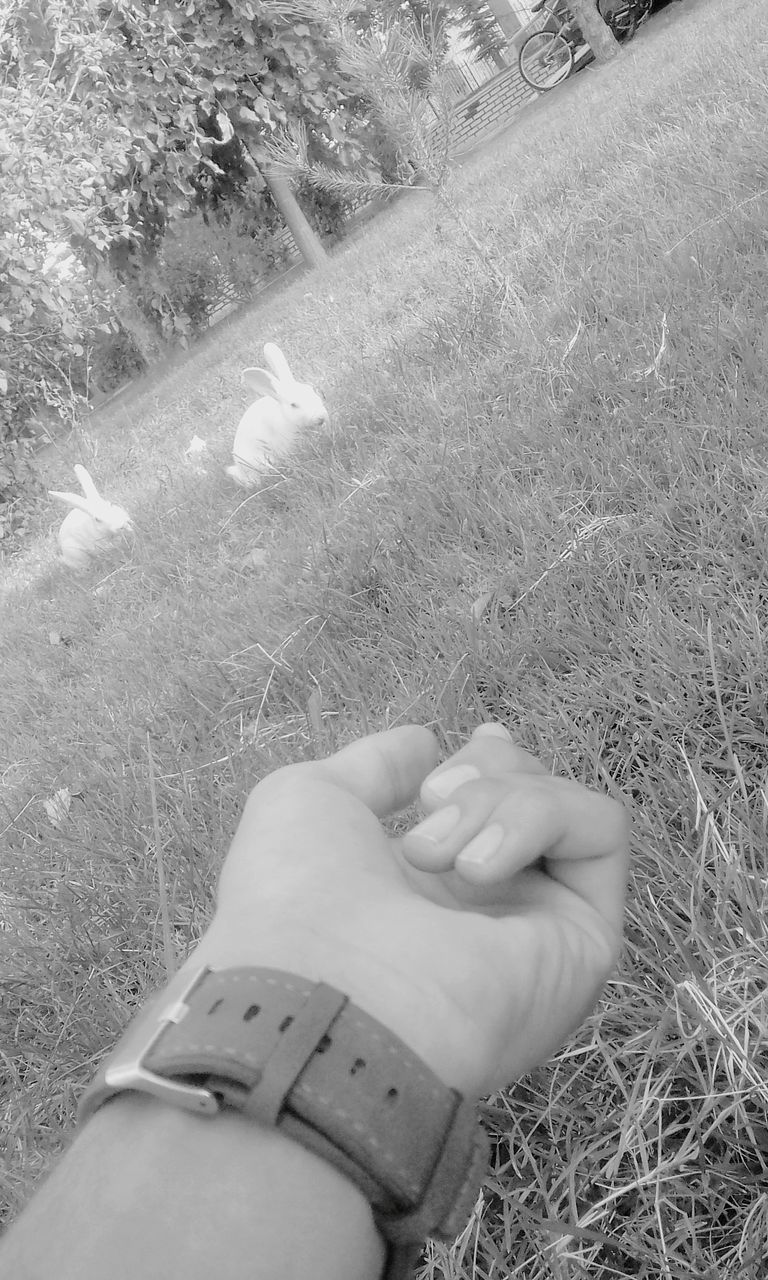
(300, 1055)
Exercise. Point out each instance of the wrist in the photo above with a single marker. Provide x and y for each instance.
(422, 1019)
(286, 1050)
(148, 1189)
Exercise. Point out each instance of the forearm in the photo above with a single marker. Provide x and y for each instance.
(148, 1190)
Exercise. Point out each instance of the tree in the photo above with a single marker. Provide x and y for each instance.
(478, 23)
(398, 68)
(305, 238)
(596, 30)
(52, 174)
(188, 74)
(112, 111)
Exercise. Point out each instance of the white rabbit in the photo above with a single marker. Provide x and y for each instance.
(268, 429)
(91, 525)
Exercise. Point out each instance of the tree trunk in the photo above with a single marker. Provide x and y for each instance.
(598, 35)
(307, 241)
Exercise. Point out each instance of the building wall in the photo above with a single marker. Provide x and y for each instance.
(506, 14)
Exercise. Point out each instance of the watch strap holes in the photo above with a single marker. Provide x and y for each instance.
(285, 1024)
(252, 1011)
(359, 1064)
(323, 1044)
(215, 1006)
(392, 1095)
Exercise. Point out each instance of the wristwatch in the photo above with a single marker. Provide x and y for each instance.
(301, 1056)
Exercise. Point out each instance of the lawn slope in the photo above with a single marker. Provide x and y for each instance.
(543, 501)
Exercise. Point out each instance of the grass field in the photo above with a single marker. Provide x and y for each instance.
(545, 503)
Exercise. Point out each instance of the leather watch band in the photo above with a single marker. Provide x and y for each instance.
(300, 1055)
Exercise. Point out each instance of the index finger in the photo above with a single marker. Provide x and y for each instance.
(580, 838)
(490, 753)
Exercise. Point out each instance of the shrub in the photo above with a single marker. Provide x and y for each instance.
(327, 213)
(202, 263)
(251, 245)
(115, 358)
(178, 287)
(46, 321)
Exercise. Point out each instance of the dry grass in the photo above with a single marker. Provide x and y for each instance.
(546, 504)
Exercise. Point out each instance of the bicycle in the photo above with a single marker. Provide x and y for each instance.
(546, 58)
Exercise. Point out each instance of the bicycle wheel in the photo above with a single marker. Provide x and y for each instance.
(545, 59)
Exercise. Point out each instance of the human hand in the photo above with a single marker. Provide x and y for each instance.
(482, 968)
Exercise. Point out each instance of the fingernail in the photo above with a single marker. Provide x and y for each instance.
(438, 824)
(481, 850)
(496, 730)
(442, 784)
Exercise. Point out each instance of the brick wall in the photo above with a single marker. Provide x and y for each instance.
(489, 107)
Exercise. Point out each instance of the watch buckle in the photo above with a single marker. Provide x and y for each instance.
(129, 1071)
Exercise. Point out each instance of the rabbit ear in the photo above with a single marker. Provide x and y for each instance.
(86, 483)
(73, 500)
(260, 381)
(277, 362)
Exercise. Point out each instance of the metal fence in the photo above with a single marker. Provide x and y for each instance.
(465, 74)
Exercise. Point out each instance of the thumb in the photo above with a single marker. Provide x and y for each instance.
(384, 770)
